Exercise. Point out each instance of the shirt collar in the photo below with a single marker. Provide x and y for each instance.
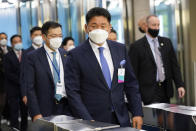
(95, 46)
(149, 38)
(17, 51)
(49, 50)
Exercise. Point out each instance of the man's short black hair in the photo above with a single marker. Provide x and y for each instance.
(113, 31)
(3, 33)
(36, 28)
(16, 35)
(48, 25)
(97, 11)
(65, 40)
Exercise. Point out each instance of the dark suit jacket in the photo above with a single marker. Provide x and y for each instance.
(40, 85)
(2, 77)
(12, 74)
(145, 67)
(23, 88)
(88, 94)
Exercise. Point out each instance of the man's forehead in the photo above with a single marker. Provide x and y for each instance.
(98, 20)
(154, 19)
(55, 30)
(2, 35)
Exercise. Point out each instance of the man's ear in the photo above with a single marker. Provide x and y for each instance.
(86, 28)
(110, 27)
(44, 37)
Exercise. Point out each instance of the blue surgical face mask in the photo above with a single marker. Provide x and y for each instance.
(18, 46)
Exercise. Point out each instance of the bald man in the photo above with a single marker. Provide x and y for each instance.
(155, 64)
(142, 24)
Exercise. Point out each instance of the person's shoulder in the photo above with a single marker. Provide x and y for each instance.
(165, 41)
(29, 49)
(9, 48)
(9, 55)
(138, 43)
(35, 53)
(116, 44)
(26, 51)
(163, 38)
(80, 48)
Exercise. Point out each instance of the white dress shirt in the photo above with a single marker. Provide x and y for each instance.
(107, 55)
(59, 62)
(18, 53)
(151, 43)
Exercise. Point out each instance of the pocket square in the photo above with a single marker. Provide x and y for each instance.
(122, 63)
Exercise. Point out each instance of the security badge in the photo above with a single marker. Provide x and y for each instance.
(121, 72)
(59, 88)
(121, 75)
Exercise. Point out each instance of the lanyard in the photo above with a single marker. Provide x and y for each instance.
(57, 71)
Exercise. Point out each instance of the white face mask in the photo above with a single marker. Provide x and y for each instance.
(18, 46)
(70, 47)
(38, 40)
(3, 42)
(55, 43)
(98, 36)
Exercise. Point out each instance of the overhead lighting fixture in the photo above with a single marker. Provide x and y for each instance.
(5, 5)
(34, 4)
(12, 1)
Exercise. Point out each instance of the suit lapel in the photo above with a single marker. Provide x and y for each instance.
(161, 49)
(114, 56)
(148, 49)
(90, 55)
(15, 58)
(63, 54)
(44, 60)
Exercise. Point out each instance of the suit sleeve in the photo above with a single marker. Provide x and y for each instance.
(9, 73)
(31, 94)
(72, 80)
(22, 77)
(132, 90)
(176, 73)
(134, 59)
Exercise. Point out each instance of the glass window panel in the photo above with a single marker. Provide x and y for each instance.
(74, 21)
(8, 20)
(116, 11)
(25, 24)
(165, 10)
(63, 16)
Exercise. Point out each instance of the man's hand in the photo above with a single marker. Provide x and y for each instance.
(24, 99)
(37, 117)
(181, 92)
(137, 122)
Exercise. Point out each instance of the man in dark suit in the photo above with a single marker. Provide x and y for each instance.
(94, 88)
(12, 84)
(4, 49)
(36, 37)
(45, 75)
(155, 64)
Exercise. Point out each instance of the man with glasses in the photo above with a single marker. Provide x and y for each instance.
(45, 75)
(98, 73)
